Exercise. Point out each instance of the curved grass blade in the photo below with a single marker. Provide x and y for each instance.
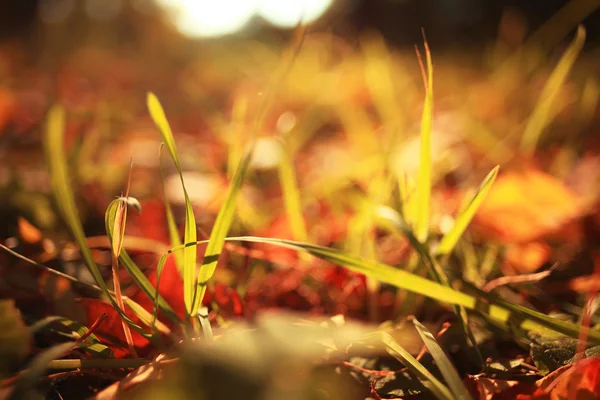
(423, 190)
(506, 313)
(36, 368)
(61, 188)
(134, 271)
(466, 215)
(189, 254)
(445, 366)
(436, 387)
(542, 113)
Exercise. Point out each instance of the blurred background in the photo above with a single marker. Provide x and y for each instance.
(343, 125)
(447, 22)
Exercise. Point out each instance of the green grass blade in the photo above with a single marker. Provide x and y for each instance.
(445, 366)
(63, 194)
(134, 271)
(423, 191)
(436, 387)
(67, 326)
(219, 231)
(36, 368)
(505, 313)
(464, 218)
(189, 254)
(542, 114)
(291, 195)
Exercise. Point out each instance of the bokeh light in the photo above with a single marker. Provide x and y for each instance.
(287, 14)
(206, 18)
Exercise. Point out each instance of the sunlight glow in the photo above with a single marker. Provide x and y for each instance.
(206, 18)
(287, 14)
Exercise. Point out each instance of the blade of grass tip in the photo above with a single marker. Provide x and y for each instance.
(541, 116)
(36, 368)
(116, 246)
(136, 273)
(173, 231)
(226, 213)
(436, 387)
(423, 191)
(445, 366)
(63, 194)
(189, 253)
(466, 215)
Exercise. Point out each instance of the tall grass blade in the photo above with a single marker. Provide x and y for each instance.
(291, 194)
(219, 232)
(542, 113)
(423, 191)
(189, 254)
(464, 218)
(445, 366)
(436, 387)
(225, 215)
(61, 188)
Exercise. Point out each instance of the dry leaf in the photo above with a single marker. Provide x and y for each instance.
(524, 206)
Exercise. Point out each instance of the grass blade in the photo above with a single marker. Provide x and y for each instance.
(291, 194)
(63, 194)
(436, 387)
(448, 371)
(65, 326)
(542, 113)
(505, 313)
(225, 215)
(36, 368)
(219, 232)
(423, 191)
(189, 253)
(502, 313)
(466, 215)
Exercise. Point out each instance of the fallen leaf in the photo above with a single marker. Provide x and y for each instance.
(524, 206)
(580, 382)
(527, 257)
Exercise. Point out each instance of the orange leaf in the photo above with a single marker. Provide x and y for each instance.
(524, 206)
(581, 381)
(527, 257)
